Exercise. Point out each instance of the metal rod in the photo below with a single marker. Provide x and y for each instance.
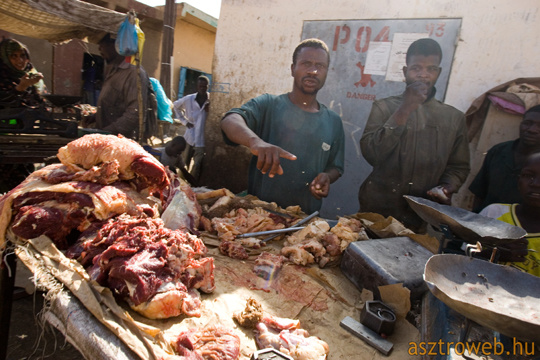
(269, 232)
(301, 222)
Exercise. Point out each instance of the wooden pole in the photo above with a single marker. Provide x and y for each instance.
(167, 46)
(140, 99)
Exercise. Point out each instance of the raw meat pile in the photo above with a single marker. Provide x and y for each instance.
(242, 221)
(103, 203)
(101, 176)
(154, 269)
(282, 334)
(318, 243)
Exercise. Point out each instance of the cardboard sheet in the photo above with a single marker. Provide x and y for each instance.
(319, 298)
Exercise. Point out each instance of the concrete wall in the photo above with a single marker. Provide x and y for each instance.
(193, 48)
(256, 38)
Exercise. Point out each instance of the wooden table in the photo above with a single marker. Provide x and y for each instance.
(25, 148)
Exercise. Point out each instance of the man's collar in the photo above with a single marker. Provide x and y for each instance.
(120, 62)
(431, 95)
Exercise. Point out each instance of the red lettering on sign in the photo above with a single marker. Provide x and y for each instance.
(347, 31)
(366, 79)
(352, 95)
(359, 39)
(435, 29)
(383, 34)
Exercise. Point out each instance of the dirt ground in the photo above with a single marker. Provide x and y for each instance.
(30, 338)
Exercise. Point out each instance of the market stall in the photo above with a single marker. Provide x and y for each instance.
(154, 269)
(309, 291)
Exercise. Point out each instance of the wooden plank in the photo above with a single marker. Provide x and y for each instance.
(21, 149)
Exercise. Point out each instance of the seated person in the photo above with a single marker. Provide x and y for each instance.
(20, 83)
(525, 214)
(496, 182)
(20, 86)
(171, 155)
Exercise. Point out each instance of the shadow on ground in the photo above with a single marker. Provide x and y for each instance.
(29, 336)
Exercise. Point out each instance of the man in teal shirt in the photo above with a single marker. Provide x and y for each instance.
(292, 135)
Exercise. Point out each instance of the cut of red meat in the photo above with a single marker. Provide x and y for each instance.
(76, 204)
(121, 154)
(233, 250)
(198, 274)
(150, 266)
(32, 221)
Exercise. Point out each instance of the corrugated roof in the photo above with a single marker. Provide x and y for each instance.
(58, 20)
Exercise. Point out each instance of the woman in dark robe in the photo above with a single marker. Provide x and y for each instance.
(20, 86)
(20, 83)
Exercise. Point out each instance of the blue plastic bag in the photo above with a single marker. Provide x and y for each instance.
(164, 104)
(127, 41)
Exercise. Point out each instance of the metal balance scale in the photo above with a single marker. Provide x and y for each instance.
(498, 297)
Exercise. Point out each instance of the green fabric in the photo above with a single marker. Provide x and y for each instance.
(317, 140)
(432, 148)
(8, 47)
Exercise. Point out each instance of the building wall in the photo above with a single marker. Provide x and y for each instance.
(193, 48)
(497, 44)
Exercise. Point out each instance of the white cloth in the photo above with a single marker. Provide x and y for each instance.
(495, 211)
(187, 110)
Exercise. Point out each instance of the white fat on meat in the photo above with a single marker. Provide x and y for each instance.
(252, 243)
(94, 149)
(295, 342)
(349, 230)
(177, 214)
(241, 221)
(301, 346)
(266, 338)
(222, 201)
(170, 303)
(108, 200)
(199, 274)
(297, 255)
(315, 229)
(319, 243)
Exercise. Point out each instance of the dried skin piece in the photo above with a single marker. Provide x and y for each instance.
(252, 314)
(214, 193)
